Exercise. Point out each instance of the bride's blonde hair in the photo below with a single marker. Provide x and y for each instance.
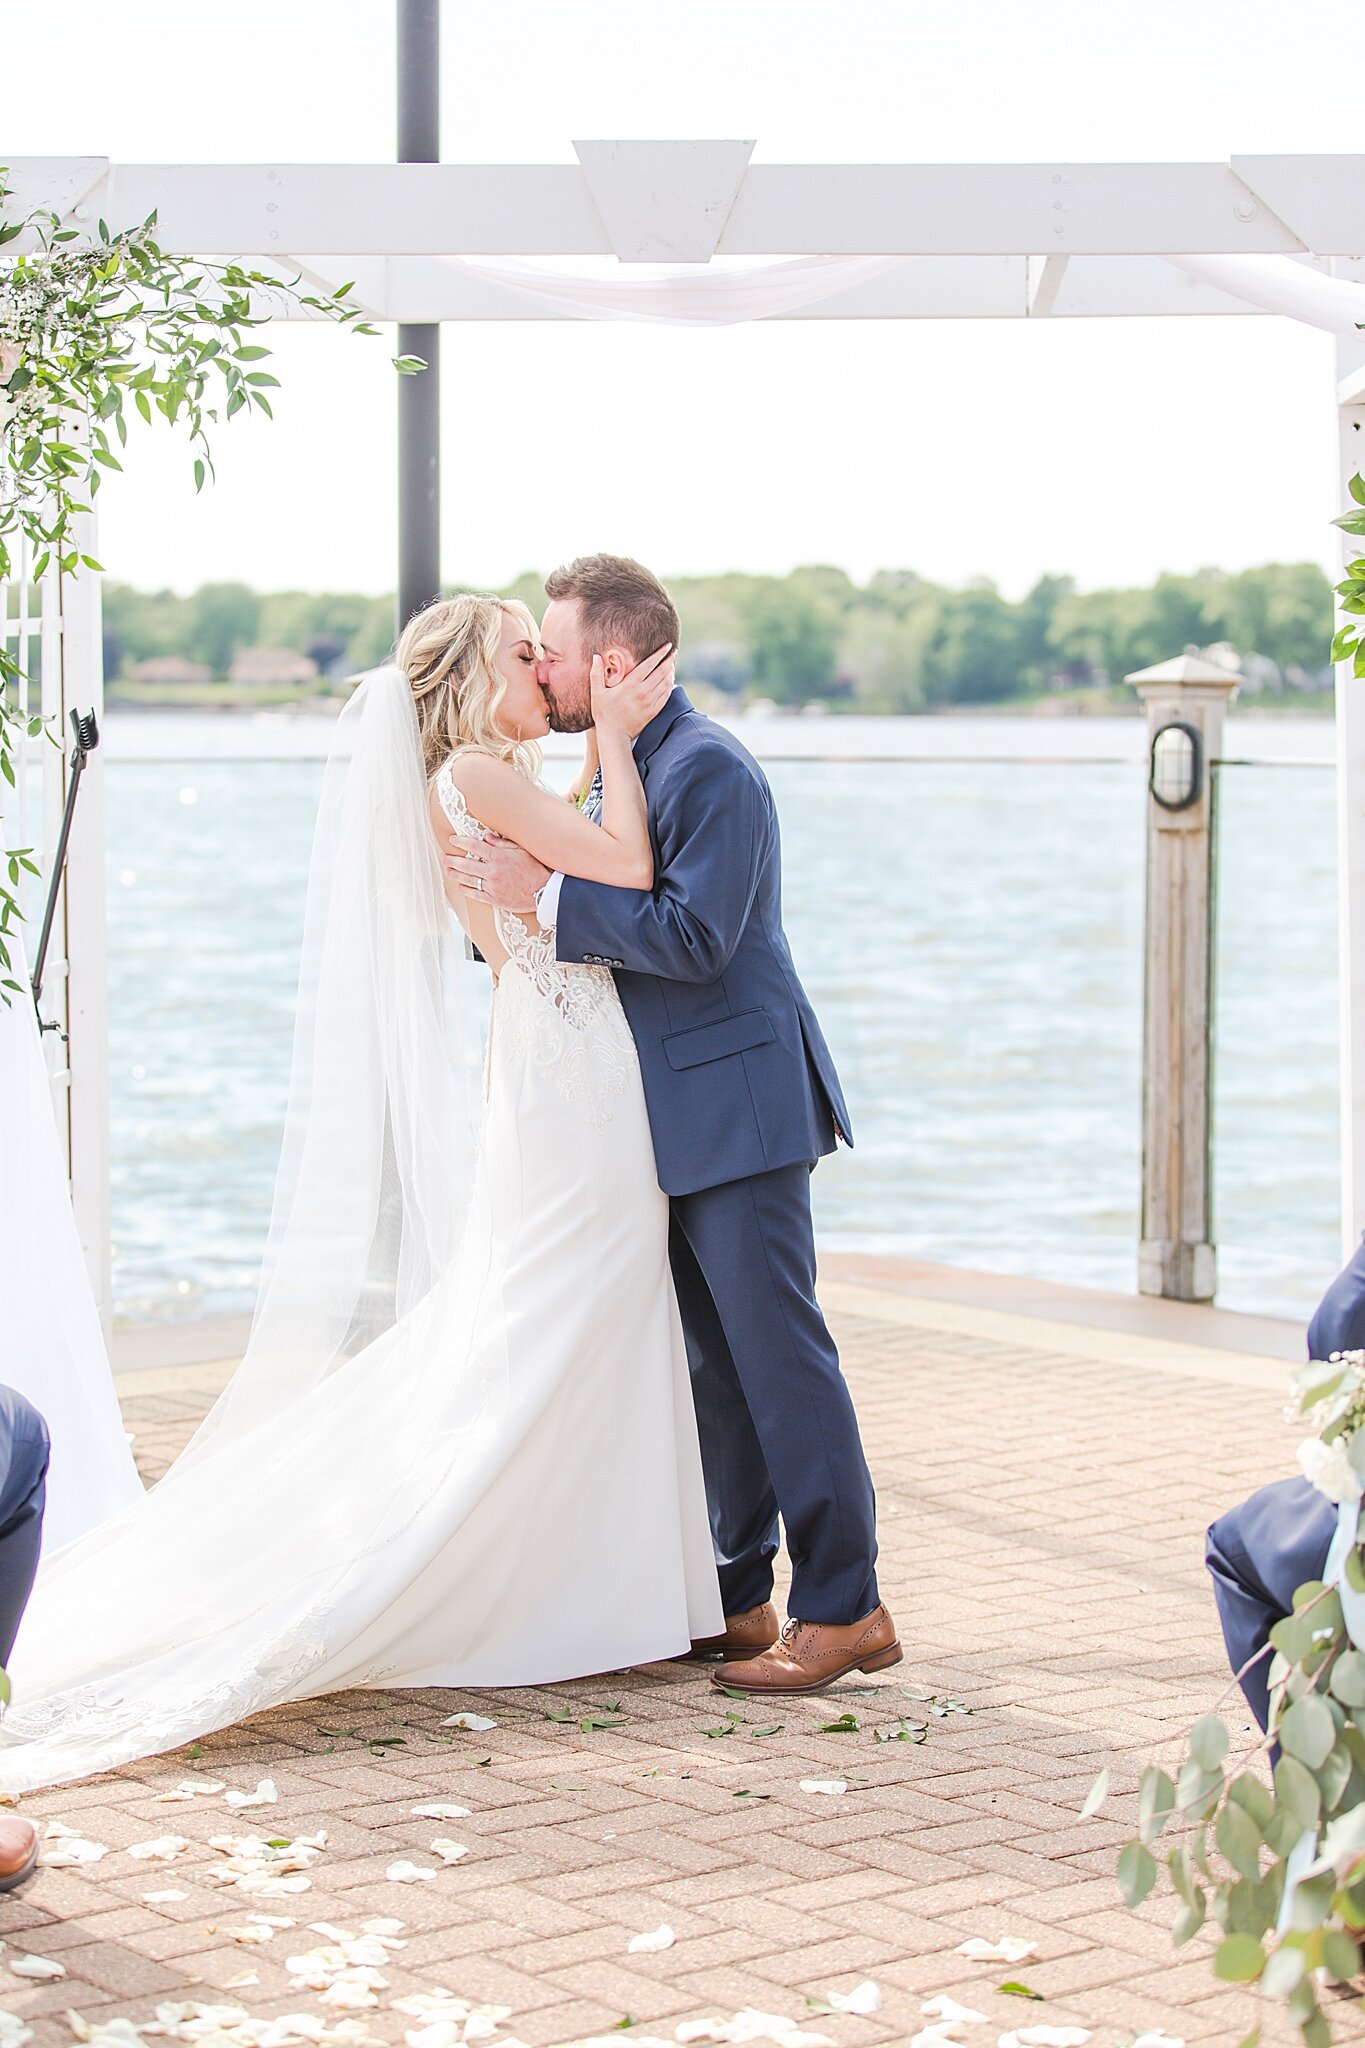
(449, 654)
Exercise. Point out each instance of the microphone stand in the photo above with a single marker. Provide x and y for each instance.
(87, 734)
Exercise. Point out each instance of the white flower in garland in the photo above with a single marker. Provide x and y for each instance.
(1329, 1468)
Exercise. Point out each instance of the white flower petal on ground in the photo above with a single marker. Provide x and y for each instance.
(353, 1990)
(752, 2025)
(476, 1722)
(264, 1886)
(832, 1787)
(949, 2013)
(386, 1931)
(943, 2034)
(240, 1983)
(41, 1968)
(66, 1850)
(439, 1811)
(264, 1795)
(1009, 1949)
(164, 1849)
(171, 1898)
(650, 1944)
(433, 2005)
(188, 1788)
(1045, 2037)
(448, 1851)
(262, 1872)
(865, 1998)
(118, 2033)
(439, 2034)
(1155, 2037)
(13, 2032)
(405, 1872)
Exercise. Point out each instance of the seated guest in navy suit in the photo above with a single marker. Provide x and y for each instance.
(23, 1481)
(1260, 1552)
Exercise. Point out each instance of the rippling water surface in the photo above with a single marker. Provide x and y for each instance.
(970, 929)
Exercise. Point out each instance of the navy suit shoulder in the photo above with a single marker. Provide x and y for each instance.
(1339, 1320)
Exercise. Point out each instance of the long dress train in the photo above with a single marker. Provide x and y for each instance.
(504, 1488)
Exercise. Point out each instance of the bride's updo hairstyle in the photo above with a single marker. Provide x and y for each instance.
(449, 654)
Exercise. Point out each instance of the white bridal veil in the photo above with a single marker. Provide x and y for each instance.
(379, 1134)
(235, 1579)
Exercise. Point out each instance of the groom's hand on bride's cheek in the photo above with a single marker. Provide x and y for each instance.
(496, 872)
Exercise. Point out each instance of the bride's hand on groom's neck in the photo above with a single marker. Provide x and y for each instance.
(627, 702)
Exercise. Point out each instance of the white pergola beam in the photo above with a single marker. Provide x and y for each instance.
(778, 210)
(1316, 197)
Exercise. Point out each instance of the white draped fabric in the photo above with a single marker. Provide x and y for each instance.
(726, 293)
(729, 291)
(51, 1344)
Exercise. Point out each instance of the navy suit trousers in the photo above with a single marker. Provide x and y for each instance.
(1259, 1553)
(23, 1485)
(778, 1432)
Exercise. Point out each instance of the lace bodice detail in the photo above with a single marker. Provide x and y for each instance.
(564, 1015)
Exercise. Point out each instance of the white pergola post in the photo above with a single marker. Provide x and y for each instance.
(1351, 811)
(58, 647)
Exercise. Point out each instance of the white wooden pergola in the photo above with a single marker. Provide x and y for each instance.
(429, 242)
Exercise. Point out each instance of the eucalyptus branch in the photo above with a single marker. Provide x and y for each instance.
(1288, 1937)
(90, 328)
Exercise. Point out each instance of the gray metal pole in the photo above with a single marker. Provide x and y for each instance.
(419, 397)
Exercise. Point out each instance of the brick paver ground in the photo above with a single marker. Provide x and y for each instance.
(1043, 1489)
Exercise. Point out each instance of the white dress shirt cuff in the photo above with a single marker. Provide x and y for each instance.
(547, 903)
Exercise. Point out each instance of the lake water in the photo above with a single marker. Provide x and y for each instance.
(968, 923)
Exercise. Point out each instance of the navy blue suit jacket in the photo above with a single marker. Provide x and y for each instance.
(737, 1076)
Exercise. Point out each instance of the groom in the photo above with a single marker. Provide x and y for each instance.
(743, 1099)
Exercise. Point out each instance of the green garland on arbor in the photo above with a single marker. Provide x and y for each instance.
(86, 326)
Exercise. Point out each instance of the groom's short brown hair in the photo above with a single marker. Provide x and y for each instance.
(621, 604)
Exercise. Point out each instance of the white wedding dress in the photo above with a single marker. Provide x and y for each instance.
(502, 1488)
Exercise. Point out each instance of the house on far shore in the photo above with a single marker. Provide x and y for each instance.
(167, 668)
(269, 668)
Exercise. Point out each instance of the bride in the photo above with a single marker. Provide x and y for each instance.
(461, 1449)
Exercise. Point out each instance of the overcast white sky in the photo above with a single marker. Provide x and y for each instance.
(1108, 450)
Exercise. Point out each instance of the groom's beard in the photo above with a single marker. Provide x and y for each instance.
(566, 716)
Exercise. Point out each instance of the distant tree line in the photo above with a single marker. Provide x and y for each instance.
(898, 643)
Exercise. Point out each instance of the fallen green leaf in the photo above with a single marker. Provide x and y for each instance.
(1012, 1990)
(905, 1731)
(847, 1724)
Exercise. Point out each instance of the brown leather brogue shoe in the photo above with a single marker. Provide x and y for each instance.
(746, 1635)
(18, 1851)
(811, 1654)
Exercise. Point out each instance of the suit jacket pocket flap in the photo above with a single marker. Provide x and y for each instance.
(717, 1041)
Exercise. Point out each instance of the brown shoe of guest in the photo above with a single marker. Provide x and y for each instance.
(18, 1851)
(811, 1654)
(746, 1635)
